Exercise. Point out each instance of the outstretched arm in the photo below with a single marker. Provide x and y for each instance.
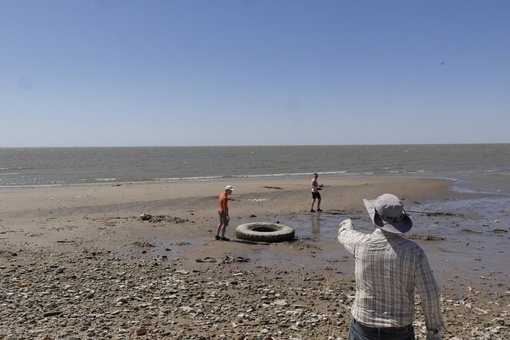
(348, 236)
(430, 300)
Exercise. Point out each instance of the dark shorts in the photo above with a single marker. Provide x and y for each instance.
(316, 195)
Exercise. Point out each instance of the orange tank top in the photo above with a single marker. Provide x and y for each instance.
(222, 202)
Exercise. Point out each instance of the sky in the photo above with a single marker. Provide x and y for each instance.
(253, 72)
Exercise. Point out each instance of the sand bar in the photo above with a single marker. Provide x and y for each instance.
(43, 228)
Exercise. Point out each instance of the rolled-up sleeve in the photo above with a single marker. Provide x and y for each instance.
(344, 234)
(350, 237)
(430, 299)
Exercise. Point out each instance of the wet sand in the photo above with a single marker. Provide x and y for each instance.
(84, 231)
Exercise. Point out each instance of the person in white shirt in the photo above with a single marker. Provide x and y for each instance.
(316, 195)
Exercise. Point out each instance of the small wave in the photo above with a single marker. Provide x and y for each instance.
(191, 179)
(293, 174)
(476, 191)
(417, 171)
(268, 175)
(465, 187)
(498, 173)
(252, 176)
(21, 168)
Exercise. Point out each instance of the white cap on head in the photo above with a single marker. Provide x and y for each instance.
(229, 187)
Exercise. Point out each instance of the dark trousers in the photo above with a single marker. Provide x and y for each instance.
(358, 331)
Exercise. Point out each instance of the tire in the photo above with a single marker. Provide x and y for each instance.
(265, 232)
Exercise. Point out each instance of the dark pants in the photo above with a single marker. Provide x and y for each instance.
(359, 332)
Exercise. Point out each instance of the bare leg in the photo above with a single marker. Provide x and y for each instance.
(222, 226)
(220, 230)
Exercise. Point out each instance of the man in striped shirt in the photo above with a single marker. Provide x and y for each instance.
(388, 269)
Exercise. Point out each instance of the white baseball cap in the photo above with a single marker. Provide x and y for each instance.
(229, 187)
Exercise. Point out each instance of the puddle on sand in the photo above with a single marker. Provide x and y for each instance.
(471, 250)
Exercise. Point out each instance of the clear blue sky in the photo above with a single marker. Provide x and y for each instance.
(253, 72)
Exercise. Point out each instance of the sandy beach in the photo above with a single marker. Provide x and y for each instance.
(78, 262)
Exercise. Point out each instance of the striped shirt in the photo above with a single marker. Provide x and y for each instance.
(388, 268)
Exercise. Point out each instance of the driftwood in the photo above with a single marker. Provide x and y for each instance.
(435, 213)
(499, 231)
(425, 237)
(466, 230)
(161, 218)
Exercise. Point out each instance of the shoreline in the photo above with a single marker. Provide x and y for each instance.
(107, 217)
(251, 197)
(67, 234)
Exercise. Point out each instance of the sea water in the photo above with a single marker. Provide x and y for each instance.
(474, 232)
(473, 168)
(483, 168)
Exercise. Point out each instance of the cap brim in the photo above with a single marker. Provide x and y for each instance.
(400, 227)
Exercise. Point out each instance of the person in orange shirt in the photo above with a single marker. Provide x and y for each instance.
(223, 213)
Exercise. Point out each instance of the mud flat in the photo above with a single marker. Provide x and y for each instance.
(80, 263)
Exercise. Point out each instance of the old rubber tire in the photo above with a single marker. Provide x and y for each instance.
(265, 232)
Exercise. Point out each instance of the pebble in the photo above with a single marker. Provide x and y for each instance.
(84, 295)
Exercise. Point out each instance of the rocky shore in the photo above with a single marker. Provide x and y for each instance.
(77, 264)
(85, 294)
